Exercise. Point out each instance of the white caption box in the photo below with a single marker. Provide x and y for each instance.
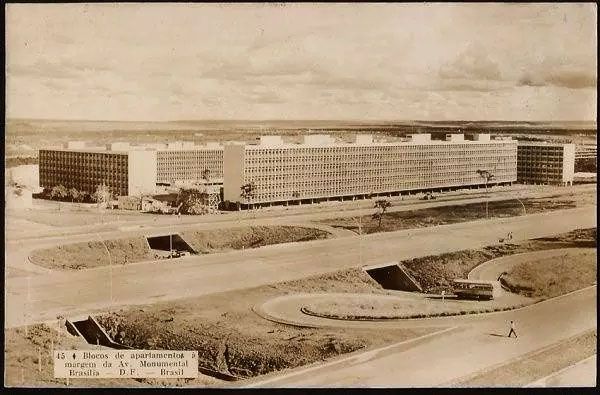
(125, 364)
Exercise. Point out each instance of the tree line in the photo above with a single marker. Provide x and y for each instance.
(102, 194)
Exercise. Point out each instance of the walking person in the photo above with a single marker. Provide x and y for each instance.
(512, 329)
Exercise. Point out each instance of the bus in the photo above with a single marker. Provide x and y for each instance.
(472, 289)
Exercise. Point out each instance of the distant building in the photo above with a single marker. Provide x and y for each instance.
(586, 151)
(322, 168)
(545, 163)
(188, 163)
(128, 169)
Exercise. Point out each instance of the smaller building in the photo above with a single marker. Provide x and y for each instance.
(17, 197)
(540, 162)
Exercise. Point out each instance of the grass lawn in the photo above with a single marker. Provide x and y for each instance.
(369, 307)
(400, 220)
(552, 277)
(91, 254)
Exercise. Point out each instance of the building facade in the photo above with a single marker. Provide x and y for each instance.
(321, 168)
(124, 172)
(182, 164)
(545, 163)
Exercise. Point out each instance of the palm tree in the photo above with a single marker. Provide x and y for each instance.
(381, 205)
(487, 176)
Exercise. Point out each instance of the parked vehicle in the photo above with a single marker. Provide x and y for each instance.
(429, 196)
(469, 289)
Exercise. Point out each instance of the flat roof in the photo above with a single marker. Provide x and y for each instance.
(543, 144)
(380, 144)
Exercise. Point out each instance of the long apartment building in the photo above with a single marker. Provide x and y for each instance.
(545, 163)
(322, 168)
(125, 172)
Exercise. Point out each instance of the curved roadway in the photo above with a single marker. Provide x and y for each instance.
(41, 296)
(476, 343)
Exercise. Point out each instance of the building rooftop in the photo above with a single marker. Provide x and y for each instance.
(544, 143)
(367, 140)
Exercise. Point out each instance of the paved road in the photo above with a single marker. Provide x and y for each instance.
(42, 296)
(287, 214)
(443, 359)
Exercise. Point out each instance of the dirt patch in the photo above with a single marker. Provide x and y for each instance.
(400, 220)
(537, 364)
(435, 273)
(553, 276)
(231, 338)
(249, 237)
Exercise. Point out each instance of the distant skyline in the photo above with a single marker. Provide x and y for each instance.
(347, 62)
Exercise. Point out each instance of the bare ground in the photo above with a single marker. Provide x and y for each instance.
(24, 347)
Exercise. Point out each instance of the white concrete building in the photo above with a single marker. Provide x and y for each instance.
(321, 168)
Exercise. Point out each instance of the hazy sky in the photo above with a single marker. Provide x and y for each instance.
(301, 61)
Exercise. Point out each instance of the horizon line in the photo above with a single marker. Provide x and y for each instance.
(298, 120)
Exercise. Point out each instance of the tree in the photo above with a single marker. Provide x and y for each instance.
(192, 201)
(248, 191)
(206, 175)
(487, 176)
(75, 195)
(59, 191)
(381, 205)
(102, 194)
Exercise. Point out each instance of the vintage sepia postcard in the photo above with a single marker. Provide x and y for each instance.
(300, 195)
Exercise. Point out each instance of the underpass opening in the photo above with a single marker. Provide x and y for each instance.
(393, 276)
(169, 243)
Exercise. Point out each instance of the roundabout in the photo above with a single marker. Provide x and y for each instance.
(407, 309)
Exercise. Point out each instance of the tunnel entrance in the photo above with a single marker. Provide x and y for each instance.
(168, 243)
(393, 276)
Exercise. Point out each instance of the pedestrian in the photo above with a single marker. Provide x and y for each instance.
(512, 329)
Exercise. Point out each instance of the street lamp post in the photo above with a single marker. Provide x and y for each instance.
(109, 269)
